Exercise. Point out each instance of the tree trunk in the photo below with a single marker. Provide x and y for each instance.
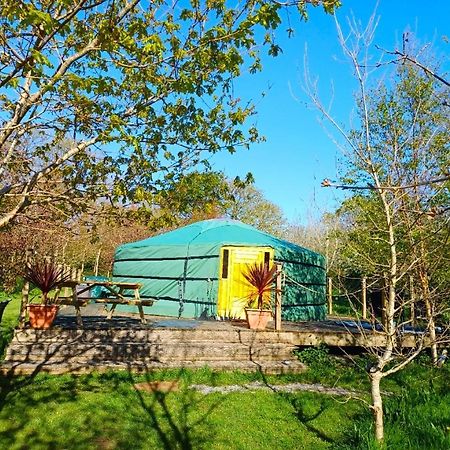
(412, 293)
(432, 328)
(377, 406)
(429, 306)
(97, 261)
(364, 297)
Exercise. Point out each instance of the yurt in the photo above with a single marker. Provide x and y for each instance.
(197, 271)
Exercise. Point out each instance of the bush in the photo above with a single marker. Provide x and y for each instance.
(319, 362)
(314, 356)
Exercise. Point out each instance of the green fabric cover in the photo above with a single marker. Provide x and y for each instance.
(180, 269)
(97, 291)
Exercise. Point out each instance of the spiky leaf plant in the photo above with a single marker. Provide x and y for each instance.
(45, 275)
(261, 278)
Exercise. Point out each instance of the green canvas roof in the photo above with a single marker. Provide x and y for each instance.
(215, 233)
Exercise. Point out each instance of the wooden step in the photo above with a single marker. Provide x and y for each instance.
(146, 335)
(274, 367)
(58, 350)
(203, 350)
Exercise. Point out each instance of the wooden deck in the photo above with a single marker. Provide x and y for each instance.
(335, 334)
(328, 332)
(125, 343)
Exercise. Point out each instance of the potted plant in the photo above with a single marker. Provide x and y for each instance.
(261, 278)
(46, 276)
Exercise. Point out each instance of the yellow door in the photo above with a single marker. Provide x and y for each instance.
(233, 287)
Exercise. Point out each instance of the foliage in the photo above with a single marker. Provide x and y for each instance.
(261, 278)
(319, 355)
(206, 195)
(249, 205)
(41, 231)
(46, 275)
(115, 99)
(407, 124)
(90, 240)
(191, 197)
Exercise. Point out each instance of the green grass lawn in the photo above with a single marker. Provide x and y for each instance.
(105, 411)
(10, 318)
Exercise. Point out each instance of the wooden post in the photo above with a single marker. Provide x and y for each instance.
(278, 299)
(412, 294)
(25, 292)
(330, 295)
(364, 297)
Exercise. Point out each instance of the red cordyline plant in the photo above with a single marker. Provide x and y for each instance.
(261, 278)
(46, 276)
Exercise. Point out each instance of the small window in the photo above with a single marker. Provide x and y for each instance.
(226, 256)
(266, 259)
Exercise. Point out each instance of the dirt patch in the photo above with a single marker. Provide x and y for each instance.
(103, 443)
(158, 386)
(256, 386)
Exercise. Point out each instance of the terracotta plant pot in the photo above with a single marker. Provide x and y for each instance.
(42, 316)
(257, 319)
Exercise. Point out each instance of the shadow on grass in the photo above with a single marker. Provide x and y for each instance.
(183, 426)
(6, 334)
(307, 418)
(336, 428)
(30, 403)
(103, 411)
(97, 410)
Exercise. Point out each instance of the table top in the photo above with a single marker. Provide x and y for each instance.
(112, 283)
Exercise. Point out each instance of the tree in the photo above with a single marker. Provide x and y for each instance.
(41, 231)
(323, 236)
(249, 205)
(90, 239)
(398, 156)
(192, 197)
(404, 55)
(87, 241)
(114, 98)
(207, 195)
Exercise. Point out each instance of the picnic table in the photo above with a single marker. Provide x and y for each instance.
(116, 295)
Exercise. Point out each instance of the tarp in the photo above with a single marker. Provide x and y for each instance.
(180, 269)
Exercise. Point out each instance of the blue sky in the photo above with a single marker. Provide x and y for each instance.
(298, 154)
